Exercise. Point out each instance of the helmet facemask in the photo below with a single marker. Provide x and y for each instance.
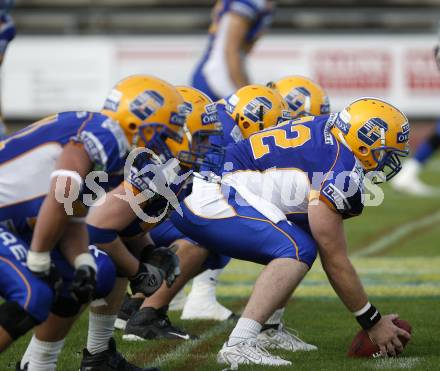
(388, 160)
(154, 136)
(200, 145)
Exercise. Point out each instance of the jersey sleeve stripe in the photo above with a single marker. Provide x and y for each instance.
(332, 167)
(84, 123)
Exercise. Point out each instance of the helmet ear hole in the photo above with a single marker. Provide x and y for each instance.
(132, 126)
(246, 125)
(363, 150)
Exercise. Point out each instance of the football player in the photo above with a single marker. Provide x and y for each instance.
(142, 111)
(286, 191)
(7, 33)
(408, 181)
(120, 232)
(304, 97)
(239, 112)
(203, 127)
(235, 28)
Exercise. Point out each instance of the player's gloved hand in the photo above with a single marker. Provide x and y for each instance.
(84, 281)
(166, 260)
(40, 265)
(84, 284)
(385, 334)
(147, 280)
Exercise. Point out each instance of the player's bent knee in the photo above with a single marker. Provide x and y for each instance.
(15, 320)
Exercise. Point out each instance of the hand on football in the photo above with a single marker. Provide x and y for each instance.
(386, 335)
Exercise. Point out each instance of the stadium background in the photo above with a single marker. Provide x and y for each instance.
(69, 52)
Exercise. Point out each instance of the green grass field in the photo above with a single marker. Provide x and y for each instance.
(396, 249)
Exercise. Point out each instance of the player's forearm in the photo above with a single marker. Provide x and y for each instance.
(328, 230)
(51, 222)
(345, 281)
(124, 260)
(236, 40)
(75, 241)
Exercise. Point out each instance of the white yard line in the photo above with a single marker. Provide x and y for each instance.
(400, 232)
(393, 363)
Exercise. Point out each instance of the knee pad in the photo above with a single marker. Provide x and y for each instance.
(15, 320)
(106, 277)
(65, 307)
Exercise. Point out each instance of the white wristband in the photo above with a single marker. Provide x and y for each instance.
(363, 310)
(85, 259)
(38, 261)
(68, 174)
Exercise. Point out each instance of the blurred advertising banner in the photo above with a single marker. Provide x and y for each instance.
(43, 75)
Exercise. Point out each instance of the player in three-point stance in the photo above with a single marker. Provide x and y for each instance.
(286, 192)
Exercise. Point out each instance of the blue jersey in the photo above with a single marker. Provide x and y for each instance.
(231, 132)
(164, 186)
(304, 160)
(7, 32)
(278, 171)
(211, 75)
(28, 158)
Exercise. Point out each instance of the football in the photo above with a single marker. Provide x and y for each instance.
(363, 347)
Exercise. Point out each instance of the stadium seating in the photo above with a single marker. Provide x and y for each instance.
(162, 16)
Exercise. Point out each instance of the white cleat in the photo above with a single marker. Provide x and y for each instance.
(205, 308)
(178, 302)
(282, 338)
(408, 182)
(248, 352)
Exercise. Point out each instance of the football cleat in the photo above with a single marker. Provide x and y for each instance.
(109, 360)
(129, 307)
(280, 337)
(149, 323)
(408, 182)
(248, 352)
(18, 366)
(200, 308)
